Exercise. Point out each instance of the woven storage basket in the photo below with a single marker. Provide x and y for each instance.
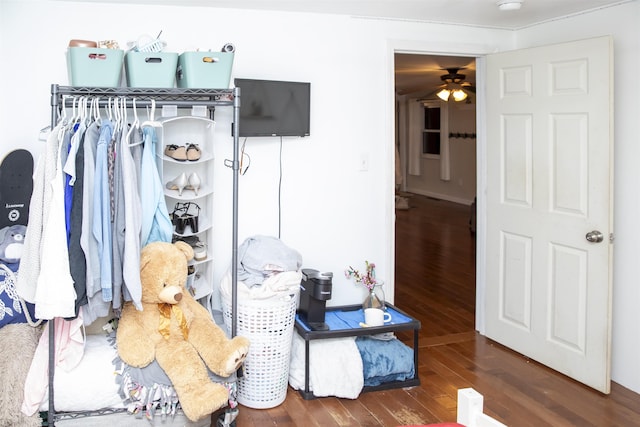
(268, 324)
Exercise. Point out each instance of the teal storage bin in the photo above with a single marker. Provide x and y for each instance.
(151, 69)
(204, 70)
(97, 67)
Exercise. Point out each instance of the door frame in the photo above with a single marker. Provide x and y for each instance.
(462, 50)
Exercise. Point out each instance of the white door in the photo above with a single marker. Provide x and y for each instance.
(549, 184)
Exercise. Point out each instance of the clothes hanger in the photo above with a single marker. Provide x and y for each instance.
(151, 121)
(122, 113)
(77, 112)
(108, 109)
(135, 112)
(74, 111)
(63, 114)
(84, 113)
(96, 110)
(116, 115)
(135, 125)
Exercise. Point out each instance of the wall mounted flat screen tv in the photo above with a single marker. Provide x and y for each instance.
(273, 108)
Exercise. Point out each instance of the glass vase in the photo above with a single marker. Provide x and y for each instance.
(375, 297)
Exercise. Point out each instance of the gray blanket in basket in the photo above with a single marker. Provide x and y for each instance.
(262, 256)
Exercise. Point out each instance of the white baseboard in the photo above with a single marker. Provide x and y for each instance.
(440, 196)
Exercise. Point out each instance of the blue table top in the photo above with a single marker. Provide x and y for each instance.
(338, 320)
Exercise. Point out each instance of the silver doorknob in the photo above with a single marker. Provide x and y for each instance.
(594, 236)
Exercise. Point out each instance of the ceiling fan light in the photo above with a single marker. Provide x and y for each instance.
(459, 95)
(509, 4)
(443, 94)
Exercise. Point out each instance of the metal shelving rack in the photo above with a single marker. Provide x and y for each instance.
(182, 98)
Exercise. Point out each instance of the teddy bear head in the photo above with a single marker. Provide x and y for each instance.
(163, 271)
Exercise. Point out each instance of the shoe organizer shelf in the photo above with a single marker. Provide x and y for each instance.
(186, 170)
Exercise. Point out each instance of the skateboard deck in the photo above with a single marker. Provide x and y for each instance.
(16, 186)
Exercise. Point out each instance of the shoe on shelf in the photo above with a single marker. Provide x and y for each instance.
(190, 240)
(200, 251)
(193, 152)
(177, 213)
(178, 183)
(199, 247)
(182, 217)
(192, 219)
(194, 183)
(176, 152)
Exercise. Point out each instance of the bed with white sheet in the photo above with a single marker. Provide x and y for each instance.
(101, 390)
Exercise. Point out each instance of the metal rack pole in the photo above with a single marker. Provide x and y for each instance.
(234, 227)
(51, 323)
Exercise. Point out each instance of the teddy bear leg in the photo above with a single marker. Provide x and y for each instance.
(198, 395)
(203, 401)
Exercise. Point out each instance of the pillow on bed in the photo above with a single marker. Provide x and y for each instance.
(92, 384)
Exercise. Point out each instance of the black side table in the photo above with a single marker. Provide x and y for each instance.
(400, 321)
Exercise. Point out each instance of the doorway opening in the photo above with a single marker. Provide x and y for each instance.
(435, 242)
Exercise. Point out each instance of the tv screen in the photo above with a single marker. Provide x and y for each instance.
(273, 108)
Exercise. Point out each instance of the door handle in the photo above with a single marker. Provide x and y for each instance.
(594, 236)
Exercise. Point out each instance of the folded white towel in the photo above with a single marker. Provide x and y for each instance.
(335, 367)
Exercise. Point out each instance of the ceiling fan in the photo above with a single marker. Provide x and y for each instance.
(455, 86)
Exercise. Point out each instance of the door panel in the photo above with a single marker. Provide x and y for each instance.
(549, 182)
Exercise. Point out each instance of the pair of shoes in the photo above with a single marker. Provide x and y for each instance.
(181, 217)
(176, 152)
(181, 182)
(181, 153)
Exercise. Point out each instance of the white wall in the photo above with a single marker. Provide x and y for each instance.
(622, 23)
(332, 213)
(461, 186)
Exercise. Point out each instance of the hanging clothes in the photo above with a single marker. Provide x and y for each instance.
(102, 209)
(77, 259)
(39, 208)
(156, 225)
(96, 307)
(97, 200)
(55, 295)
(118, 224)
(67, 159)
(131, 156)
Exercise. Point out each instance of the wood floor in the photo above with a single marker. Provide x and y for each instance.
(435, 282)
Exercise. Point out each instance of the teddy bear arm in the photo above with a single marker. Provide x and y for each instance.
(222, 355)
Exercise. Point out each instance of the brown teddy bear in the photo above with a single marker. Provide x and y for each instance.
(178, 332)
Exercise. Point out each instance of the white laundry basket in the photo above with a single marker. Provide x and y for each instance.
(268, 324)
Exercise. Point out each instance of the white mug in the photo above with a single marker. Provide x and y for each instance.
(376, 317)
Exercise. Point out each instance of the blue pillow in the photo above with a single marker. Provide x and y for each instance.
(11, 309)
